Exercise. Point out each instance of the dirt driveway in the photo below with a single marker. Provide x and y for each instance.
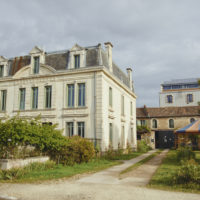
(104, 185)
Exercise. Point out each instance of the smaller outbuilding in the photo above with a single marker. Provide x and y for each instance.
(188, 136)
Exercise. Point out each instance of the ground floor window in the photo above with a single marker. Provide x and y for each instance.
(110, 134)
(69, 129)
(81, 129)
(122, 137)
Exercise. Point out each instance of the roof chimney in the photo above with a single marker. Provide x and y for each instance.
(129, 72)
(109, 46)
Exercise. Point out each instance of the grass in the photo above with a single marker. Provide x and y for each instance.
(126, 156)
(163, 177)
(60, 171)
(141, 162)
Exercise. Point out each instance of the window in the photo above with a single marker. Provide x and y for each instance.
(132, 136)
(192, 120)
(171, 123)
(22, 94)
(36, 65)
(122, 137)
(81, 94)
(110, 96)
(3, 99)
(70, 129)
(131, 105)
(77, 61)
(81, 129)
(122, 105)
(110, 134)
(70, 98)
(48, 94)
(1, 70)
(143, 122)
(34, 97)
(154, 123)
(169, 99)
(189, 98)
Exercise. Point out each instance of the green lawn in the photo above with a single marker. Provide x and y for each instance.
(126, 156)
(163, 177)
(60, 171)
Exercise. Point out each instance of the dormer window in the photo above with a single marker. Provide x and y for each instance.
(1, 70)
(76, 61)
(36, 65)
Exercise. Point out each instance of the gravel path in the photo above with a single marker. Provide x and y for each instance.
(105, 188)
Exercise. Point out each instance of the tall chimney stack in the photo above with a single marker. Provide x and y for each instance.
(129, 73)
(109, 46)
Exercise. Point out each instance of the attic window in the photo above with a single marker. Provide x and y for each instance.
(36, 65)
(1, 70)
(77, 61)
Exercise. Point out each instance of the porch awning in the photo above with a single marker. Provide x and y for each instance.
(194, 127)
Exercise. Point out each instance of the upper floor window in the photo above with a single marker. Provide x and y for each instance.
(154, 123)
(70, 97)
(1, 70)
(110, 96)
(70, 129)
(34, 97)
(122, 105)
(77, 61)
(131, 105)
(22, 94)
(110, 134)
(81, 129)
(36, 65)
(192, 120)
(171, 123)
(169, 99)
(48, 91)
(81, 94)
(189, 98)
(3, 99)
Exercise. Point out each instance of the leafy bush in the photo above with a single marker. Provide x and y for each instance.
(72, 150)
(142, 146)
(185, 153)
(189, 172)
(17, 134)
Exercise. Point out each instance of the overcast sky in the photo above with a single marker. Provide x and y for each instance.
(159, 39)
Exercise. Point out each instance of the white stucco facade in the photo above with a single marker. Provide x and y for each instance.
(181, 92)
(96, 113)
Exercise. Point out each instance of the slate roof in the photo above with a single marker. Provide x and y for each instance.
(146, 112)
(95, 56)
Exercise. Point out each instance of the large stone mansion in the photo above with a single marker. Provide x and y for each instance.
(81, 89)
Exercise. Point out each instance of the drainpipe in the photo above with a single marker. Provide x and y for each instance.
(95, 142)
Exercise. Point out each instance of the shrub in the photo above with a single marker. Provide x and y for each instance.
(189, 172)
(72, 150)
(142, 146)
(185, 153)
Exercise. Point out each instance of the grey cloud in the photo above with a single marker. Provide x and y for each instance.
(159, 39)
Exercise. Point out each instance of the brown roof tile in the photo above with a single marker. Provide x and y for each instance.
(168, 112)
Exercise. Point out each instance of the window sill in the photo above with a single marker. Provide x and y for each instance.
(33, 110)
(110, 109)
(75, 108)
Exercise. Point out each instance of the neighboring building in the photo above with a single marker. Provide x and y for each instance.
(163, 122)
(81, 89)
(181, 92)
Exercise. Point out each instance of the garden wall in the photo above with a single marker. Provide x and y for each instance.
(10, 163)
